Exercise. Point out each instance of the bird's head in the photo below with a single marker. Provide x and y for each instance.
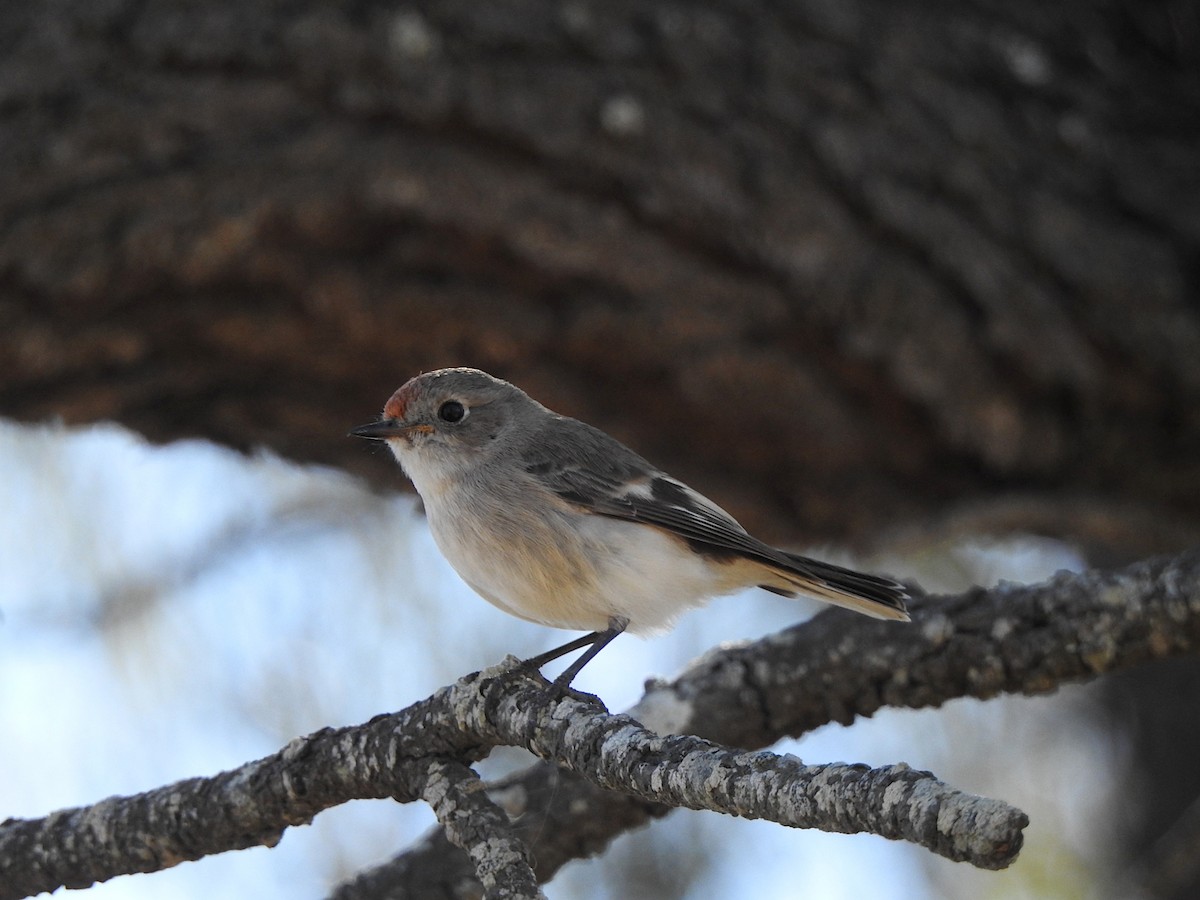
(441, 424)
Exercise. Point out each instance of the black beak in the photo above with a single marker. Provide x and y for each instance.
(378, 431)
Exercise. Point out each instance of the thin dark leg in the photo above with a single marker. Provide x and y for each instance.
(597, 640)
(536, 662)
(603, 639)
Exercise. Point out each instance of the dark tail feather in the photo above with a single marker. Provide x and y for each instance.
(871, 595)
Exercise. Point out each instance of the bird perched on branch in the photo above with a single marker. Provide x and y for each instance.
(558, 523)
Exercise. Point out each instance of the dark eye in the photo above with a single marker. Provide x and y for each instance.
(452, 411)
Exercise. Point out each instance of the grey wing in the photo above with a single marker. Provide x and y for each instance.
(589, 468)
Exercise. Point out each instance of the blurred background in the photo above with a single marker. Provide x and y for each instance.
(913, 285)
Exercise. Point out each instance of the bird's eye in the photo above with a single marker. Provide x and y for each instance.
(452, 411)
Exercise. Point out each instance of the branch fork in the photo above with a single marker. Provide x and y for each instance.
(425, 752)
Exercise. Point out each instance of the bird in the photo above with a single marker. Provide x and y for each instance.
(558, 523)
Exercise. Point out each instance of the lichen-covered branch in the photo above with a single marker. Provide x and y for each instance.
(1012, 639)
(895, 802)
(475, 824)
(418, 752)
(546, 815)
(245, 807)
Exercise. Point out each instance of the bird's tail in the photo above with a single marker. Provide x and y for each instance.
(871, 595)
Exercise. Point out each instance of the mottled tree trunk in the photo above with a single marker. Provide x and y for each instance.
(847, 265)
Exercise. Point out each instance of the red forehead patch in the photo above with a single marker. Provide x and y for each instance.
(399, 401)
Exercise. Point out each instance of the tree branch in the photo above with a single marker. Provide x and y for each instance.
(413, 752)
(617, 753)
(475, 824)
(245, 807)
(1024, 639)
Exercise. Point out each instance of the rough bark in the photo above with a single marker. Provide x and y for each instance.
(845, 265)
(419, 753)
(474, 824)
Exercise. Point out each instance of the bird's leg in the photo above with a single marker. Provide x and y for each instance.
(597, 640)
(601, 639)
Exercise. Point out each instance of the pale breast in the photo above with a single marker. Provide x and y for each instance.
(569, 569)
(533, 566)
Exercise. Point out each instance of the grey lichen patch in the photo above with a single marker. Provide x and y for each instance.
(984, 831)
(495, 854)
(617, 744)
(437, 793)
(895, 795)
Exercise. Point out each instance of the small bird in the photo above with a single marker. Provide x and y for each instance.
(558, 523)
